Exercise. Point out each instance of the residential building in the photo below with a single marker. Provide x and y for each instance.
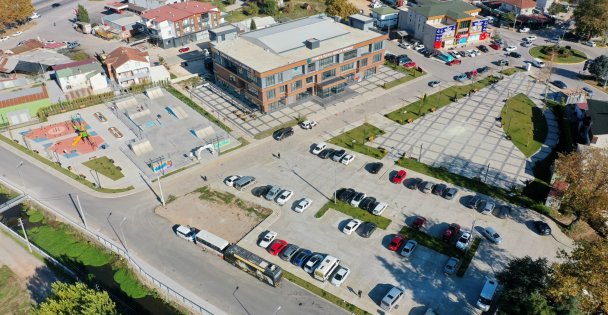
(444, 24)
(519, 7)
(179, 24)
(385, 18)
(128, 66)
(85, 75)
(593, 128)
(153, 4)
(122, 25)
(282, 64)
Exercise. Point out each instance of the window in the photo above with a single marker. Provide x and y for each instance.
(270, 80)
(283, 89)
(296, 85)
(280, 77)
(252, 89)
(310, 80)
(311, 67)
(326, 62)
(347, 67)
(350, 54)
(270, 94)
(328, 74)
(363, 62)
(377, 57)
(464, 24)
(377, 46)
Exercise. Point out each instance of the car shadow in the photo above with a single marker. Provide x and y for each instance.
(312, 147)
(530, 225)
(378, 292)
(436, 230)
(260, 191)
(392, 175)
(464, 200)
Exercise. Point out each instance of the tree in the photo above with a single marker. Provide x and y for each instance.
(14, 11)
(591, 17)
(599, 67)
(251, 8)
(252, 26)
(269, 7)
(586, 197)
(582, 276)
(524, 283)
(509, 17)
(76, 298)
(83, 14)
(341, 8)
(557, 8)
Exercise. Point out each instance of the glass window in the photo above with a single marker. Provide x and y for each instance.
(328, 74)
(326, 62)
(310, 80)
(377, 57)
(296, 85)
(363, 62)
(283, 88)
(270, 80)
(311, 67)
(377, 46)
(252, 89)
(270, 94)
(350, 54)
(280, 77)
(347, 67)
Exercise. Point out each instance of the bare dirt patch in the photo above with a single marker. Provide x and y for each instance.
(220, 213)
(362, 5)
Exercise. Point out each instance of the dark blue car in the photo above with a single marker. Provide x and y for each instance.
(300, 257)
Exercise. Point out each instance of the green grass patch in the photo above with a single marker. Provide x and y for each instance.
(561, 55)
(62, 170)
(34, 215)
(243, 142)
(129, 284)
(270, 131)
(353, 309)
(106, 167)
(437, 100)
(510, 71)
(410, 74)
(354, 212)
(197, 108)
(356, 139)
(236, 16)
(14, 298)
(468, 257)
(172, 75)
(524, 123)
(433, 243)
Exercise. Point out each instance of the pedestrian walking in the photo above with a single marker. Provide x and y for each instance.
(279, 155)
(359, 293)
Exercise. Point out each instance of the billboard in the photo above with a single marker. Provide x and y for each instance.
(479, 26)
(442, 32)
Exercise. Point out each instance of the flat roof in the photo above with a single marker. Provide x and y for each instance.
(20, 93)
(452, 8)
(43, 56)
(361, 17)
(283, 44)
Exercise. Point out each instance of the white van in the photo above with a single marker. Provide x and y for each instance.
(391, 298)
(486, 295)
(327, 266)
(185, 232)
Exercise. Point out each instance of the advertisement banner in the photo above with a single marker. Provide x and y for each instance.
(444, 32)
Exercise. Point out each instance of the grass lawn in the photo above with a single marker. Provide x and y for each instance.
(356, 139)
(433, 243)
(270, 131)
(294, 9)
(410, 73)
(510, 71)
(576, 56)
(106, 167)
(227, 198)
(468, 257)
(354, 212)
(130, 284)
(14, 298)
(524, 123)
(440, 99)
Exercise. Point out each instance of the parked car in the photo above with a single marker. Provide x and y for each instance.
(184, 49)
(502, 62)
(454, 62)
(434, 83)
(530, 38)
(396, 242)
(405, 45)
(272, 193)
(492, 235)
(312, 262)
(542, 227)
(357, 198)
(229, 181)
(261, 191)
(455, 54)
(590, 43)
(367, 229)
(526, 44)
(347, 159)
(390, 58)
(560, 84)
(451, 266)
(368, 203)
(374, 168)
(346, 195)
(464, 241)
(427, 187)
(282, 133)
(351, 226)
(338, 155)
(303, 205)
(409, 248)
(268, 237)
(327, 153)
(418, 222)
(392, 297)
(288, 252)
(55, 5)
(472, 202)
(486, 206)
(503, 212)
(308, 124)
(451, 232)
(276, 247)
(524, 30)
(4, 38)
(451, 193)
(495, 46)
(300, 257)
(319, 147)
(185, 232)
(378, 208)
(439, 189)
(483, 69)
(483, 48)
(284, 197)
(515, 54)
(17, 34)
(418, 46)
(339, 275)
(34, 16)
(409, 64)
(413, 183)
(460, 77)
(471, 74)
(398, 178)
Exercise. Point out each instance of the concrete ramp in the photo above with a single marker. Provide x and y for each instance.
(138, 114)
(154, 92)
(126, 103)
(13, 202)
(203, 133)
(177, 111)
(141, 147)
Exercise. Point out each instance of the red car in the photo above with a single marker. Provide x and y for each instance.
(472, 74)
(276, 247)
(396, 242)
(419, 222)
(451, 232)
(398, 179)
(410, 64)
(454, 62)
(495, 46)
(184, 49)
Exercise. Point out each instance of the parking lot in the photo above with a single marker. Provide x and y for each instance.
(373, 266)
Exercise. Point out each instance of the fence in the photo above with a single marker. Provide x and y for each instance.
(167, 290)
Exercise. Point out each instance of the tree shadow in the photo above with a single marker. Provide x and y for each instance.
(39, 284)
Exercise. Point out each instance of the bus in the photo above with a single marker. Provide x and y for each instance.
(212, 241)
(254, 265)
(327, 266)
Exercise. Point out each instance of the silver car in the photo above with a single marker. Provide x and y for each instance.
(451, 266)
(492, 235)
(272, 192)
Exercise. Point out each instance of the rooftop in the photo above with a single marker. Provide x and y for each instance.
(283, 44)
(522, 4)
(598, 111)
(384, 10)
(361, 17)
(89, 68)
(177, 11)
(455, 9)
(43, 57)
(122, 19)
(74, 64)
(121, 55)
(20, 93)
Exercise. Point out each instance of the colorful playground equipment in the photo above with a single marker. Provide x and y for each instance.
(79, 127)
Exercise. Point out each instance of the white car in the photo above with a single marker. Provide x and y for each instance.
(405, 45)
(357, 199)
(185, 232)
(267, 239)
(34, 16)
(352, 225)
(340, 275)
(526, 44)
(4, 38)
(347, 159)
(308, 124)
(303, 205)
(451, 266)
(409, 248)
(477, 52)
(511, 48)
(284, 197)
(418, 46)
(464, 241)
(589, 43)
(229, 181)
(455, 54)
(530, 38)
(492, 235)
(17, 34)
(524, 30)
(380, 207)
(320, 147)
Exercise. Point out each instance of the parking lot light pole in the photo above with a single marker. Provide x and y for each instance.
(21, 175)
(160, 187)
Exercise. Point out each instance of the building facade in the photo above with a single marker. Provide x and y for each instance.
(128, 66)
(179, 24)
(385, 18)
(81, 75)
(444, 24)
(519, 7)
(280, 65)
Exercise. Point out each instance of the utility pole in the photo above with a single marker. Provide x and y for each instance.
(160, 187)
(485, 180)
(124, 240)
(21, 175)
(420, 155)
(25, 234)
(81, 211)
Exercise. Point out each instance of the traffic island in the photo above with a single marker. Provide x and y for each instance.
(524, 124)
(356, 139)
(558, 54)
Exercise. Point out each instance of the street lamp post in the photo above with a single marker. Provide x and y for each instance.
(160, 187)
(124, 240)
(21, 174)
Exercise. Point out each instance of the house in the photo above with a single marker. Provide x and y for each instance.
(86, 75)
(519, 7)
(128, 66)
(38, 61)
(594, 126)
(122, 25)
(385, 17)
(179, 24)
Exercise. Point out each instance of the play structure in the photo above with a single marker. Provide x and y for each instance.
(79, 127)
(196, 152)
(52, 131)
(160, 164)
(154, 92)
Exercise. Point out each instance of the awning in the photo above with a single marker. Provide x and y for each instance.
(402, 33)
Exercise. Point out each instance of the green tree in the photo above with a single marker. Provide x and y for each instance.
(76, 298)
(557, 8)
(14, 12)
(251, 9)
(83, 14)
(524, 282)
(591, 17)
(341, 8)
(599, 67)
(269, 7)
(252, 26)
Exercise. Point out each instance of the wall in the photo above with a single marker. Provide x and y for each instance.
(98, 82)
